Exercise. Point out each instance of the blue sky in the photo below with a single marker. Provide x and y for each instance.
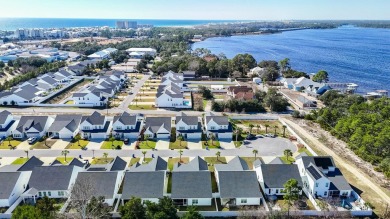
(199, 9)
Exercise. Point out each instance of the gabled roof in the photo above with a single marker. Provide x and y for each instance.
(322, 162)
(276, 175)
(193, 184)
(103, 183)
(236, 164)
(8, 181)
(95, 119)
(48, 80)
(27, 92)
(27, 122)
(31, 164)
(238, 184)
(46, 178)
(126, 119)
(189, 120)
(4, 115)
(314, 172)
(143, 184)
(220, 120)
(77, 162)
(118, 164)
(338, 182)
(157, 164)
(197, 164)
(64, 73)
(153, 124)
(71, 122)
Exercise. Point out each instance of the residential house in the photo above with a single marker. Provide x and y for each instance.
(240, 92)
(103, 183)
(52, 181)
(303, 102)
(321, 177)
(139, 53)
(272, 177)
(65, 126)
(7, 121)
(219, 126)
(146, 181)
(188, 75)
(89, 98)
(103, 54)
(158, 127)
(12, 185)
(189, 127)
(95, 126)
(191, 184)
(28, 166)
(169, 96)
(18, 96)
(127, 126)
(32, 126)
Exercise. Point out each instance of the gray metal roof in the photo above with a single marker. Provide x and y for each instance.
(103, 182)
(322, 162)
(46, 178)
(143, 184)
(48, 80)
(126, 119)
(220, 120)
(238, 184)
(189, 120)
(71, 122)
(118, 164)
(27, 122)
(194, 184)
(3, 116)
(95, 119)
(276, 160)
(197, 164)
(338, 182)
(8, 181)
(77, 162)
(156, 164)
(276, 175)
(155, 123)
(31, 164)
(236, 164)
(27, 92)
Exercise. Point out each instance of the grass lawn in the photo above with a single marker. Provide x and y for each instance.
(149, 144)
(250, 160)
(147, 160)
(69, 102)
(102, 160)
(289, 161)
(215, 144)
(20, 161)
(134, 161)
(75, 145)
(142, 107)
(145, 100)
(5, 144)
(219, 97)
(173, 161)
(301, 150)
(41, 144)
(262, 123)
(108, 144)
(175, 145)
(62, 159)
(204, 104)
(213, 160)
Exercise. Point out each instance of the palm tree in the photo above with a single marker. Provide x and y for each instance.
(9, 139)
(258, 128)
(266, 128)
(64, 153)
(212, 138)
(146, 138)
(180, 139)
(144, 153)
(77, 138)
(105, 155)
(276, 127)
(218, 154)
(284, 130)
(112, 139)
(238, 132)
(287, 153)
(180, 153)
(255, 152)
(250, 128)
(26, 153)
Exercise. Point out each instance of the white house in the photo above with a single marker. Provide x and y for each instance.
(95, 126)
(321, 177)
(32, 126)
(139, 53)
(12, 185)
(170, 96)
(103, 54)
(272, 177)
(219, 126)
(65, 126)
(188, 126)
(127, 126)
(158, 127)
(24, 94)
(7, 123)
(89, 98)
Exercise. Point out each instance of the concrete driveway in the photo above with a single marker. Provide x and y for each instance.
(162, 145)
(24, 145)
(226, 144)
(270, 146)
(60, 144)
(194, 144)
(95, 144)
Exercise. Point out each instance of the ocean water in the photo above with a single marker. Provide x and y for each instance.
(15, 23)
(349, 54)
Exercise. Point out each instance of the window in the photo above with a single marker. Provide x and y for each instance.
(194, 201)
(39, 194)
(181, 128)
(325, 193)
(119, 128)
(277, 190)
(49, 193)
(316, 184)
(44, 194)
(86, 127)
(212, 127)
(60, 193)
(327, 185)
(244, 201)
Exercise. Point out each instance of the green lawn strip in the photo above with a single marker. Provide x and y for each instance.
(142, 107)
(20, 161)
(175, 145)
(301, 150)
(215, 144)
(149, 144)
(108, 144)
(147, 160)
(42, 145)
(5, 144)
(102, 160)
(173, 161)
(289, 161)
(204, 104)
(213, 160)
(134, 161)
(75, 144)
(69, 102)
(62, 159)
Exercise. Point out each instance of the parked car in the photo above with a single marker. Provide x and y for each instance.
(126, 141)
(259, 136)
(31, 140)
(250, 137)
(246, 142)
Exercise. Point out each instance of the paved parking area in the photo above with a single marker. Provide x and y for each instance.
(270, 146)
(94, 144)
(60, 144)
(162, 145)
(226, 144)
(194, 144)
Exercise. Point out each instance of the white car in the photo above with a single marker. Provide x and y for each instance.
(31, 140)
